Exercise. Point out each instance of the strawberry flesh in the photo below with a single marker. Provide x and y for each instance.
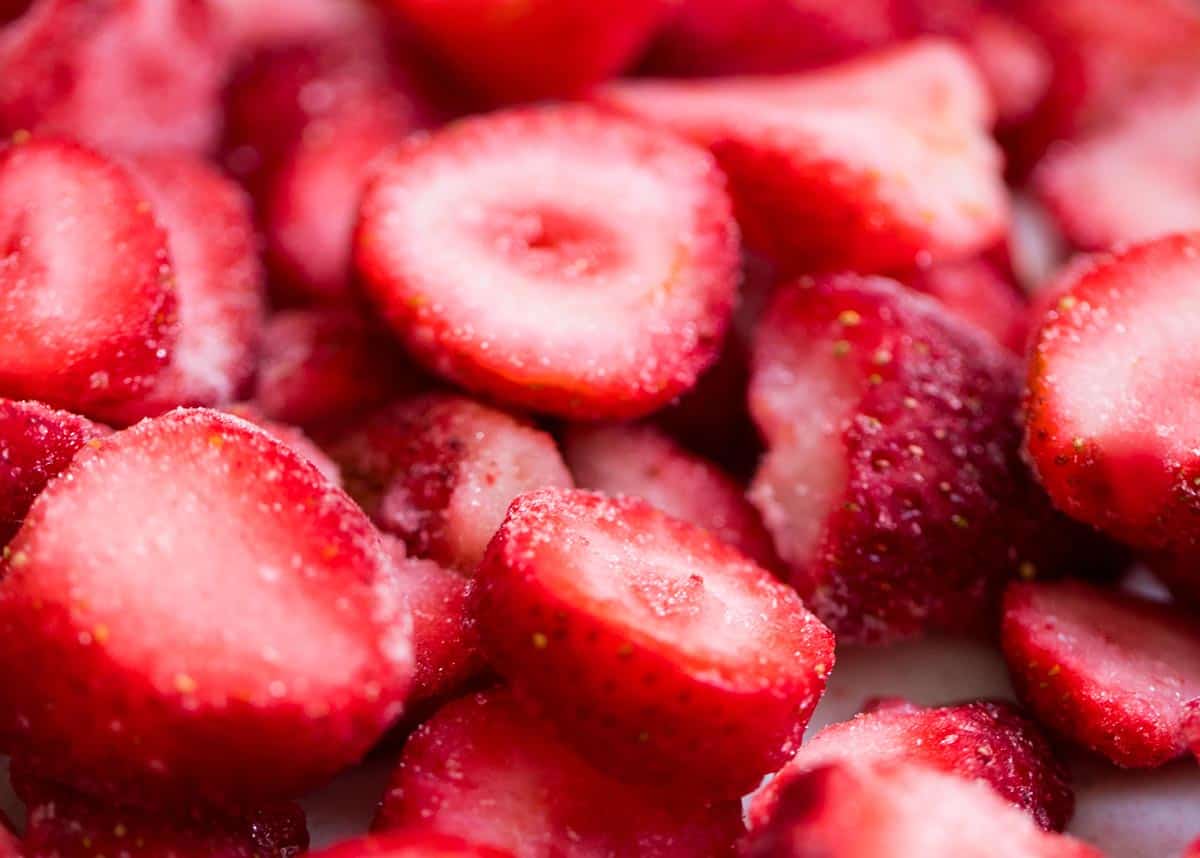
(410, 844)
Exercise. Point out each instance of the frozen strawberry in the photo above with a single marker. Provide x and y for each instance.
(874, 165)
(614, 303)
(88, 303)
(131, 76)
(642, 461)
(681, 659)
(262, 24)
(439, 471)
(1111, 401)
(293, 437)
(485, 768)
(1107, 670)
(1011, 58)
(274, 653)
(865, 811)
(993, 743)
(1191, 726)
(410, 844)
(979, 291)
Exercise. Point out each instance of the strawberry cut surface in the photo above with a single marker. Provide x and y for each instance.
(420, 844)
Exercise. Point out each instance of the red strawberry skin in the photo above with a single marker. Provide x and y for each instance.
(274, 654)
(979, 291)
(483, 767)
(719, 665)
(410, 845)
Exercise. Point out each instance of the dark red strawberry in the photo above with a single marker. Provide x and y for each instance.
(485, 768)
(410, 844)
(1107, 670)
(86, 292)
(293, 437)
(440, 470)
(679, 657)
(9, 847)
(614, 303)
(993, 743)
(979, 291)
(1191, 726)
(275, 651)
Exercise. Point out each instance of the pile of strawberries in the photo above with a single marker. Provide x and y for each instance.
(542, 391)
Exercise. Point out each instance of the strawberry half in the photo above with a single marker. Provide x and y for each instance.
(992, 743)
(979, 291)
(274, 653)
(293, 437)
(1107, 670)
(440, 470)
(874, 165)
(613, 303)
(410, 844)
(485, 768)
(87, 297)
(680, 657)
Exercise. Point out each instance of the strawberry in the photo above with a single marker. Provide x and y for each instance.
(134, 76)
(718, 665)
(640, 460)
(9, 847)
(993, 743)
(274, 653)
(256, 25)
(10, 10)
(1109, 406)
(864, 811)
(614, 304)
(1191, 726)
(410, 844)
(292, 437)
(88, 302)
(980, 291)
(440, 470)
(1109, 671)
(485, 768)
(874, 165)
(1193, 851)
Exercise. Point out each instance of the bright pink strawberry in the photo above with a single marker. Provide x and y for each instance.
(130, 76)
(439, 471)
(614, 303)
(485, 768)
(293, 437)
(980, 291)
(680, 658)
(1107, 670)
(410, 844)
(86, 294)
(993, 743)
(275, 651)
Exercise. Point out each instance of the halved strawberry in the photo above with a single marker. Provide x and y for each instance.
(993, 743)
(1108, 670)
(613, 303)
(662, 652)
(874, 165)
(255, 25)
(866, 811)
(978, 290)
(485, 768)
(134, 76)
(275, 652)
(1112, 400)
(86, 294)
(640, 460)
(410, 844)
(440, 470)
(293, 436)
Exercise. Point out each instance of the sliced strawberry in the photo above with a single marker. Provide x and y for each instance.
(614, 303)
(680, 658)
(1111, 405)
(1107, 670)
(867, 811)
(87, 301)
(874, 165)
(439, 471)
(993, 743)
(262, 24)
(979, 291)
(274, 653)
(640, 460)
(410, 844)
(485, 768)
(292, 437)
(134, 76)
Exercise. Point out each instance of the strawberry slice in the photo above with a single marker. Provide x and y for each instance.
(1111, 402)
(410, 844)
(980, 291)
(292, 437)
(1107, 670)
(614, 304)
(874, 165)
(865, 811)
(134, 76)
(718, 665)
(485, 768)
(640, 460)
(87, 301)
(439, 471)
(993, 743)
(274, 653)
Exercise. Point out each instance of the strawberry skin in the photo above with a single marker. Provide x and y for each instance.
(719, 665)
(408, 844)
(979, 291)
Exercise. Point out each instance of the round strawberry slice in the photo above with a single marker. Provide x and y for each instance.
(613, 303)
(662, 652)
(86, 297)
(409, 844)
(225, 617)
